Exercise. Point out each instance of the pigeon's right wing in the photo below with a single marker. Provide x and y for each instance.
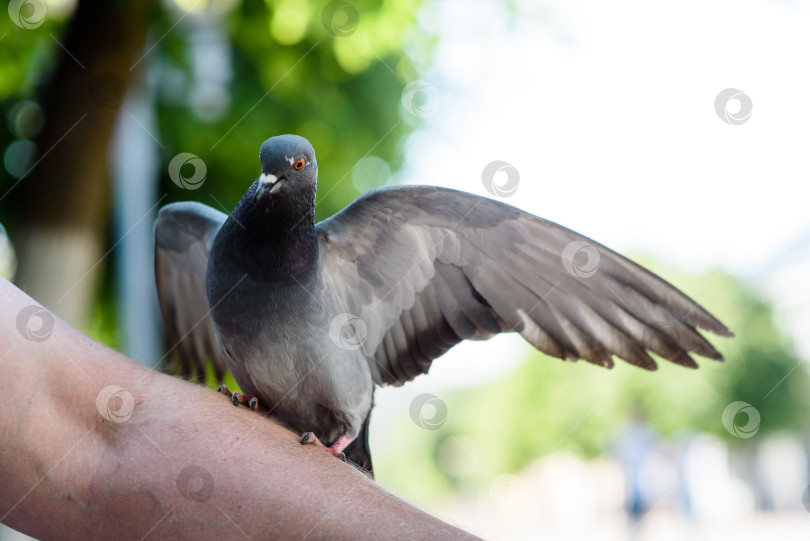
(184, 233)
(424, 268)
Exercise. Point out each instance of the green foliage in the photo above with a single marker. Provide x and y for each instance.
(290, 75)
(342, 93)
(25, 55)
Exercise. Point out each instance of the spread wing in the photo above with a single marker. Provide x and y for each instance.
(184, 233)
(426, 267)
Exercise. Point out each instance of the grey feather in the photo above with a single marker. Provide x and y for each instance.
(183, 236)
(494, 268)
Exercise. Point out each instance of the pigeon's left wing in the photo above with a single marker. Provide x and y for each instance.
(184, 233)
(424, 268)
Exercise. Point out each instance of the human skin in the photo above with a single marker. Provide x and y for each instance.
(161, 458)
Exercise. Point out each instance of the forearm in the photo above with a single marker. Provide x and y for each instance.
(178, 461)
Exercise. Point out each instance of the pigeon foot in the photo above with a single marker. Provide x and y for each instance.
(238, 398)
(335, 449)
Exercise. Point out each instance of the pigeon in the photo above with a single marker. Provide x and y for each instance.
(310, 318)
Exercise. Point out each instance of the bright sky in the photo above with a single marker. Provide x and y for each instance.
(606, 109)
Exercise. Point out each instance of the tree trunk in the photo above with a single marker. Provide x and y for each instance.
(63, 201)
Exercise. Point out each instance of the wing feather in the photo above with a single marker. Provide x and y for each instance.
(184, 233)
(427, 267)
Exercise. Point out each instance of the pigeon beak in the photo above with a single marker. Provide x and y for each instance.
(267, 183)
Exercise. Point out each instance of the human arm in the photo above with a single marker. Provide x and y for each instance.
(178, 461)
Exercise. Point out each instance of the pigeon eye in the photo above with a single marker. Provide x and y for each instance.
(299, 164)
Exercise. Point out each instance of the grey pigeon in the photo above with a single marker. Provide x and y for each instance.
(309, 317)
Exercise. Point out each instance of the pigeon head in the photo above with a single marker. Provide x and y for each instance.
(289, 170)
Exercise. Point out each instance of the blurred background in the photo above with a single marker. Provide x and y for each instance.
(673, 133)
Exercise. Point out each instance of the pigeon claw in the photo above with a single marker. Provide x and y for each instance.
(336, 449)
(238, 398)
(251, 401)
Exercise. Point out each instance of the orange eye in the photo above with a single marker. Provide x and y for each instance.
(300, 163)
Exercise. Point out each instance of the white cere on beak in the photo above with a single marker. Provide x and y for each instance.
(268, 180)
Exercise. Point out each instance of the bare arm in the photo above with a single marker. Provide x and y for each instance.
(156, 457)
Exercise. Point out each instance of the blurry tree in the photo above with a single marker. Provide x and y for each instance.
(549, 405)
(59, 201)
(332, 72)
(223, 75)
